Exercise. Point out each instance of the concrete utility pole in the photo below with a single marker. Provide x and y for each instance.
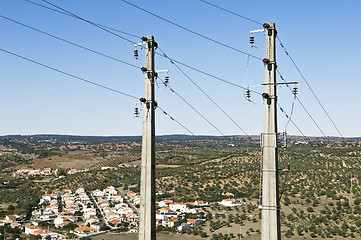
(271, 228)
(147, 224)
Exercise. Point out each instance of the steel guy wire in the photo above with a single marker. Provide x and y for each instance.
(188, 30)
(72, 43)
(55, 10)
(200, 89)
(308, 85)
(68, 74)
(92, 23)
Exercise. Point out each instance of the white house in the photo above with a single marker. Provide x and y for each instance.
(178, 207)
(161, 216)
(14, 218)
(31, 229)
(194, 222)
(116, 198)
(231, 202)
(172, 222)
(89, 213)
(183, 226)
(98, 193)
(111, 190)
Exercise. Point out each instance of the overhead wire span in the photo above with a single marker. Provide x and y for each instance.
(96, 84)
(67, 14)
(209, 98)
(287, 53)
(304, 108)
(188, 30)
(172, 60)
(70, 75)
(291, 114)
(173, 119)
(239, 15)
(289, 119)
(90, 22)
(309, 87)
(191, 106)
(69, 42)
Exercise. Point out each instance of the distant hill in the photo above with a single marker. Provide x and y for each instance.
(94, 139)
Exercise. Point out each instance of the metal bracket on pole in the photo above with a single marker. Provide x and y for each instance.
(257, 31)
(282, 140)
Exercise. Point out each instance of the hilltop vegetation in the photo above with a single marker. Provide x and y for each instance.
(321, 195)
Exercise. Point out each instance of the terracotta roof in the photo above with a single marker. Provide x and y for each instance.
(229, 200)
(32, 227)
(192, 220)
(83, 228)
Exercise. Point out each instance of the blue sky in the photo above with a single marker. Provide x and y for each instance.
(321, 36)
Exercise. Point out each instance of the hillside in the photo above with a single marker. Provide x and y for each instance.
(321, 195)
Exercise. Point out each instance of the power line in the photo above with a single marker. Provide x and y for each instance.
(93, 83)
(249, 19)
(70, 75)
(191, 106)
(173, 119)
(308, 85)
(90, 22)
(304, 108)
(72, 43)
(188, 30)
(290, 120)
(172, 60)
(252, 20)
(52, 9)
(208, 96)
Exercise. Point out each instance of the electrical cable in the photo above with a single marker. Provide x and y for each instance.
(249, 19)
(304, 108)
(52, 9)
(283, 186)
(190, 105)
(172, 60)
(72, 43)
(308, 85)
(290, 120)
(200, 89)
(70, 75)
(188, 30)
(92, 23)
(173, 119)
(291, 114)
(90, 82)
(260, 180)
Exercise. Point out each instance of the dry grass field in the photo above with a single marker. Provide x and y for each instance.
(66, 162)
